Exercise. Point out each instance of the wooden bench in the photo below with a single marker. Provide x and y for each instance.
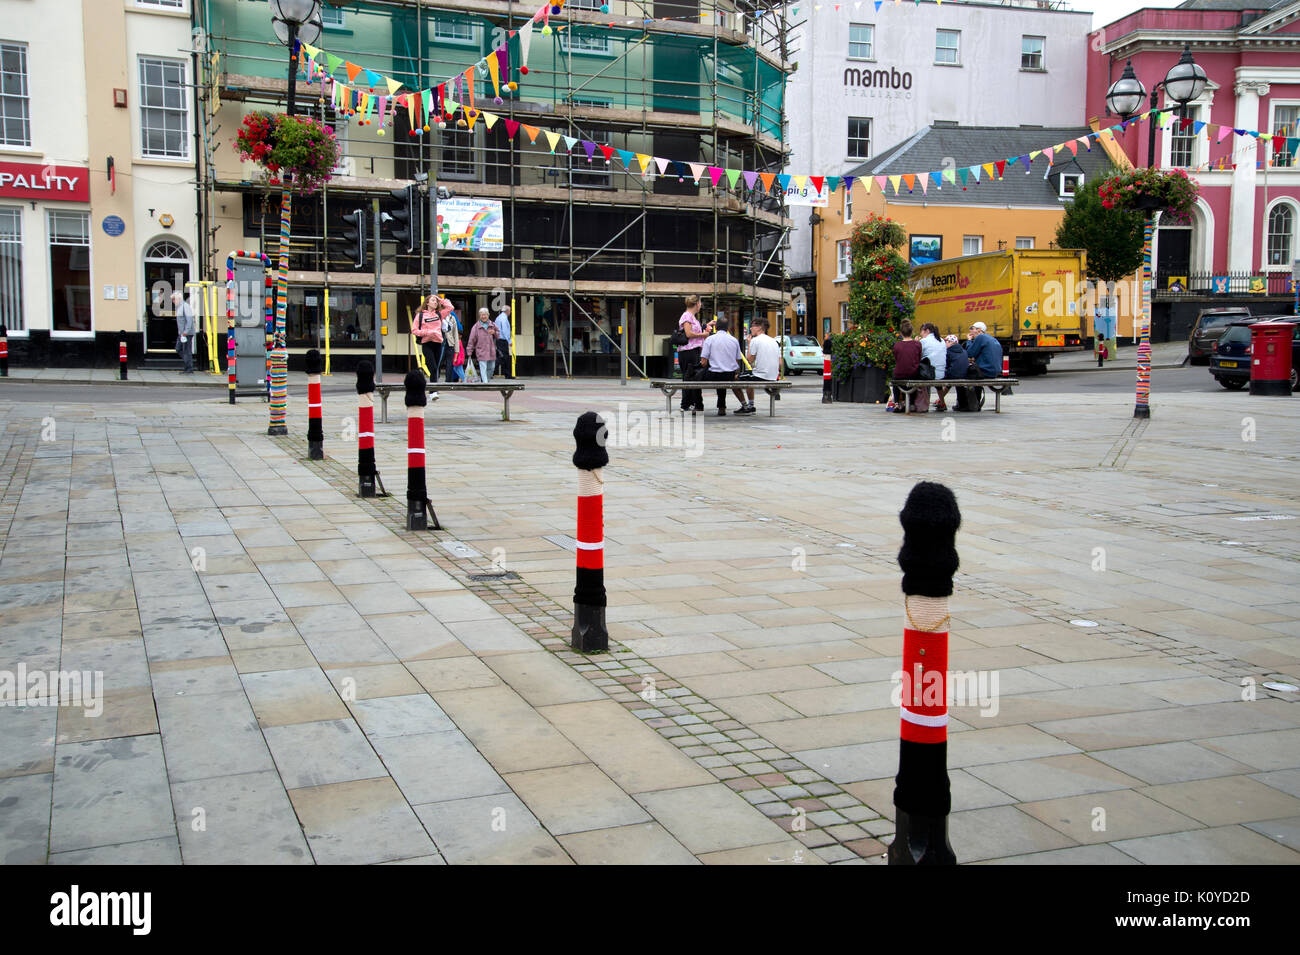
(910, 386)
(670, 387)
(505, 389)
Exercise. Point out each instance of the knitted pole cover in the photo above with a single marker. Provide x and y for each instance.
(590, 634)
(277, 372)
(315, 429)
(922, 793)
(416, 400)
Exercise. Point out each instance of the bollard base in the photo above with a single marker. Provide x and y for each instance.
(366, 487)
(417, 518)
(1142, 411)
(590, 635)
(277, 429)
(123, 378)
(920, 840)
(316, 450)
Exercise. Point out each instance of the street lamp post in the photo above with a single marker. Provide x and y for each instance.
(1184, 82)
(295, 22)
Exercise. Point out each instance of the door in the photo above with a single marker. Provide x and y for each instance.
(1173, 255)
(166, 270)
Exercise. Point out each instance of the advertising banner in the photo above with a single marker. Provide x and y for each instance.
(470, 225)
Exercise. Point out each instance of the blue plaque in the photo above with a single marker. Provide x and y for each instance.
(114, 225)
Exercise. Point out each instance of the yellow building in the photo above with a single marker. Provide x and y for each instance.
(1020, 211)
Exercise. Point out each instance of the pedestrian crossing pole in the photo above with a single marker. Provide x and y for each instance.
(922, 793)
(590, 634)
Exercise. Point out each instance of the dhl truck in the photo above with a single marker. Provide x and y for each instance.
(1031, 300)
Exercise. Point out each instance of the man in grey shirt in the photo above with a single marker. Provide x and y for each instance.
(185, 329)
(720, 357)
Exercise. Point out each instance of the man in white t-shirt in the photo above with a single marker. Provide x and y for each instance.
(764, 356)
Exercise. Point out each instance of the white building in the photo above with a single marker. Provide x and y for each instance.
(86, 82)
(870, 77)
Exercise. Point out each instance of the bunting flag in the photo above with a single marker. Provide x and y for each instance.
(732, 176)
(848, 182)
(909, 180)
(783, 180)
(553, 139)
(512, 127)
(799, 182)
(751, 179)
(532, 132)
(569, 143)
(625, 156)
(894, 181)
(767, 179)
(715, 174)
(644, 160)
(662, 164)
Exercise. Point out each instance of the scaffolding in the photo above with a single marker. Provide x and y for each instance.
(706, 87)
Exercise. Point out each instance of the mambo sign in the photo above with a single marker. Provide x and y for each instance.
(20, 180)
(890, 79)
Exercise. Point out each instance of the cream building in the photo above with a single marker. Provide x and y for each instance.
(97, 158)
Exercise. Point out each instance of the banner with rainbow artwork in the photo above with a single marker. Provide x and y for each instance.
(470, 225)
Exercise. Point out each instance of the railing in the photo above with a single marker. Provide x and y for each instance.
(1168, 286)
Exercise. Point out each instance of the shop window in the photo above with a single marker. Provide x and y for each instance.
(11, 268)
(69, 255)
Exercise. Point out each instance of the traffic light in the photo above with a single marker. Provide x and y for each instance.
(406, 218)
(354, 238)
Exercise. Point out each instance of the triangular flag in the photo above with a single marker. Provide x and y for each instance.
(569, 142)
(950, 175)
(880, 181)
(1073, 146)
(834, 181)
(894, 181)
(732, 176)
(767, 178)
(975, 171)
(1028, 163)
(393, 85)
(1197, 126)
(849, 181)
(799, 182)
(512, 127)
(817, 182)
(662, 164)
(1050, 153)
(644, 160)
(963, 172)
(553, 139)
(784, 180)
(925, 189)
(988, 169)
(1002, 167)
(607, 152)
(312, 51)
(909, 180)
(532, 132)
(715, 173)
(1223, 133)
(937, 178)
(374, 79)
(353, 70)
(589, 148)
(333, 62)
(751, 179)
(625, 156)
(489, 118)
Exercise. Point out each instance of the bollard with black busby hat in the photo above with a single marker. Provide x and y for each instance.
(314, 365)
(922, 794)
(366, 472)
(418, 505)
(590, 634)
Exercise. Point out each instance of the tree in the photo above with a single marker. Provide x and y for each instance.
(879, 297)
(1111, 237)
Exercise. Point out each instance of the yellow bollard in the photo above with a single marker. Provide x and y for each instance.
(512, 337)
(327, 331)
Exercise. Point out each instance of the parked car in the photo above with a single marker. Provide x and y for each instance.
(1230, 362)
(801, 353)
(1209, 325)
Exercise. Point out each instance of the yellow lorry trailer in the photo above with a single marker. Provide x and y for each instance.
(1031, 300)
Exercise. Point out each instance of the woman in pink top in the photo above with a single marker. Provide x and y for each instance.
(688, 355)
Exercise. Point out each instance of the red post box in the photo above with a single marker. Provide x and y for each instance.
(1270, 358)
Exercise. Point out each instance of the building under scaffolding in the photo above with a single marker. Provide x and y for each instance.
(593, 255)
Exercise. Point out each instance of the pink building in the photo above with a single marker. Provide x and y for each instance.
(1248, 216)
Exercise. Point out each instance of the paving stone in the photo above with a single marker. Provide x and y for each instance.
(320, 753)
(246, 819)
(643, 844)
(359, 823)
(433, 767)
(708, 818)
(210, 734)
(490, 830)
(25, 822)
(109, 792)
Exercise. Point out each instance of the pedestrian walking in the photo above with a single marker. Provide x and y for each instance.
(503, 344)
(185, 329)
(428, 333)
(482, 346)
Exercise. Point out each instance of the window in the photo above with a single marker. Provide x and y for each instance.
(843, 264)
(169, 4)
(331, 17)
(1031, 53)
(69, 271)
(458, 155)
(1024, 242)
(844, 316)
(848, 204)
(15, 106)
(1286, 125)
(11, 268)
(859, 137)
(1281, 223)
(862, 41)
(585, 4)
(1182, 142)
(972, 244)
(453, 31)
(947, 48)
(1070, 183)
(164, 117)
(584, 43)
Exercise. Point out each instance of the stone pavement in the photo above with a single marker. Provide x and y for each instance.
(290, 676)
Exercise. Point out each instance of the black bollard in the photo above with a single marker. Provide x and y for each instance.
(366, 472)
(315, 430)
(922, 794)
(417, 493)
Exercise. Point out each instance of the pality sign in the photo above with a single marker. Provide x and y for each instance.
(890, 79)
(20, 180)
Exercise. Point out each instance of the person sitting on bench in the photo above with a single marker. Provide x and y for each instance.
(720, 357)
(985, 354)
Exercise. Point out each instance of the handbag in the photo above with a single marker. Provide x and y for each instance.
(679, 338)
(926, 370)
(180, 348)
(460, 355)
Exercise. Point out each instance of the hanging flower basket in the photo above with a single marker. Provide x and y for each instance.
(1172, 194)
(295, 151)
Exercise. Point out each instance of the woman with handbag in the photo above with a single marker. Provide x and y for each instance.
(689, 339)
